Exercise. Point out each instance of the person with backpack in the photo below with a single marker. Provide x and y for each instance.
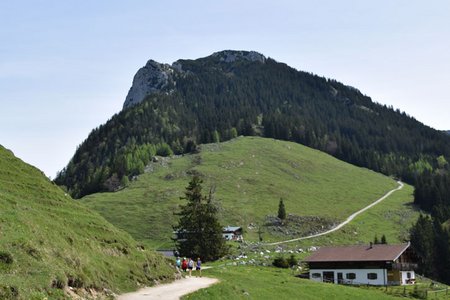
(190, 266)
(184, 264)
(178, 263)
(199, 267)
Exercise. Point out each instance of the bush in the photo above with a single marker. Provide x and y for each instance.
(292, 261)
(58, 283)
(163, 150)
(9, 292)
(280, 262)
(75, 281)
(6, 258)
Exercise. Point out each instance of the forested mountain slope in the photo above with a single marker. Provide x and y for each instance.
(48, 242)
(233, 93)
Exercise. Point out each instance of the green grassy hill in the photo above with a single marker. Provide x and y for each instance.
(249, 174)
(49, 242)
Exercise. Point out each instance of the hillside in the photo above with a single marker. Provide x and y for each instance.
(51, 246)
(250, 175)
(172, 108)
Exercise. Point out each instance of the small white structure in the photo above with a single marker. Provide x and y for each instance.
(379, 264)
(231, 233)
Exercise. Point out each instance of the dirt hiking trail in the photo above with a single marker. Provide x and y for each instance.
(171, 291)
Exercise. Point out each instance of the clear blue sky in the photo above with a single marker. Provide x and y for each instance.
(66, 66)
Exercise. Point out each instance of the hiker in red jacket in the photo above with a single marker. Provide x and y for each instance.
(184, 265)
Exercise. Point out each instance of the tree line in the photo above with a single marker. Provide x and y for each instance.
(430, 234)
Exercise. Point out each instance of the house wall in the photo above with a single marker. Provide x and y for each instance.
(228, 236)
(404, 277)
(232, 236)
(361, 275)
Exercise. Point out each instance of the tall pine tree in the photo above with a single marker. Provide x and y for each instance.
(199, 233)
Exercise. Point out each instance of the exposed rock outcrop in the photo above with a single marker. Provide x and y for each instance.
(155, 77)
(152, 78)
(233, 55)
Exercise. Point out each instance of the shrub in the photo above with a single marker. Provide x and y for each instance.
(163, 150)
(9, 292)
(6, 258)
(292, 261)
(280, 262)
(75, 282)
(58, 283)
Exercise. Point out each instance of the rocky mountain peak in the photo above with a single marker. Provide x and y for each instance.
(156, 77)
(150, 79)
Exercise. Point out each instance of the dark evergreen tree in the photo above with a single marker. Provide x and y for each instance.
(383, 239)
(441, 252)
(422, 241)
(375, 240)
(199, 231)
(281, 210)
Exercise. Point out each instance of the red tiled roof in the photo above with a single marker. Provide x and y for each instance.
(379, 252)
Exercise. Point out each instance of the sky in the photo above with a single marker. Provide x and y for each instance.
(66, 66)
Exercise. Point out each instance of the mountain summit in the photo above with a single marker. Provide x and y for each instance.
(155, 77)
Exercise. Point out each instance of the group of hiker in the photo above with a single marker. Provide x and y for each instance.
(188, 264)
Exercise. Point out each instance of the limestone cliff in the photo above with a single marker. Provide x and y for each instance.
(156, 77)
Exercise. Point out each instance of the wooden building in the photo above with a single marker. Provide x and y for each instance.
(379, 264)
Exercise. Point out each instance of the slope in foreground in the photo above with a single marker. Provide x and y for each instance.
(50, 246)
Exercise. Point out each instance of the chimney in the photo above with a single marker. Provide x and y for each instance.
(370, 245)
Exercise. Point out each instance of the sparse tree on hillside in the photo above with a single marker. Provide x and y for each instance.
(281, 210)
(216, 136)
(383, 239)
(199, 230)
(260, 233)
(375, 240)
(233, 133)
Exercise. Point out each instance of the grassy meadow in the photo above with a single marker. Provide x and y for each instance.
(249, 175)
(49, 242)
(271, 283)
(392, 217)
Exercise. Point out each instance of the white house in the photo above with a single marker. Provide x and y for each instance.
(378, 264)
(231, 233)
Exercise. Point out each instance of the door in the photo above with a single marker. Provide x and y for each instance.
(340, 278)
(328, 277)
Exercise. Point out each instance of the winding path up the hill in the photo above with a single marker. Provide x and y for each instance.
(178, 288)
(339, 226)
(171, 291)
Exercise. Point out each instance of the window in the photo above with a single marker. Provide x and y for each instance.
(350, 276)
(372, 276)
(316, 275)
(408, 275)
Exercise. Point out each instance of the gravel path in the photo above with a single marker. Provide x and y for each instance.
(171, 291)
